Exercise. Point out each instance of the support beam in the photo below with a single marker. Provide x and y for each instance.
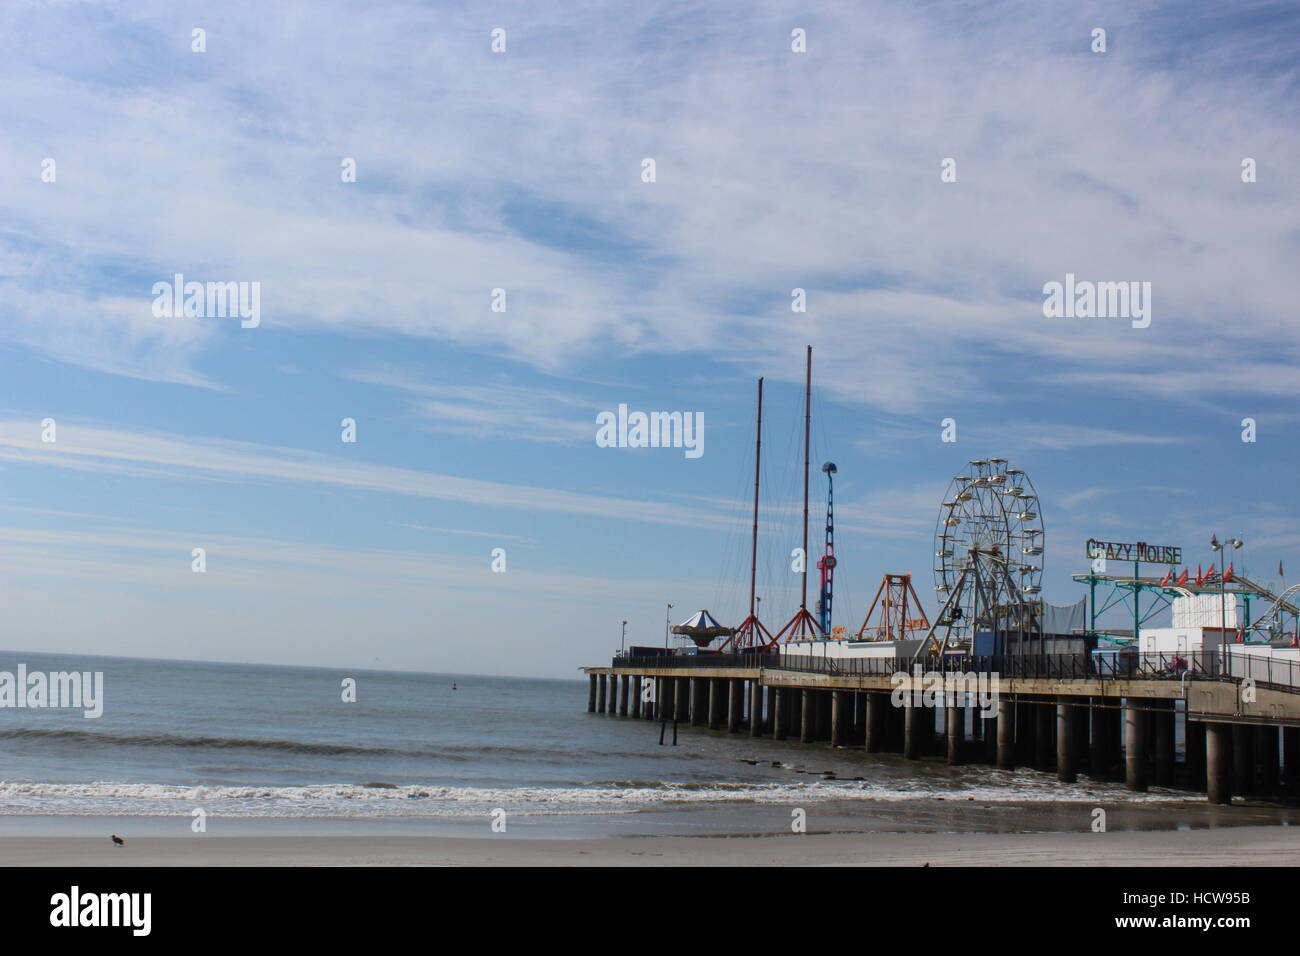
(1099, 757)
(780, 711)
(1267, 756)
(636, 695)
(877, 715)
(1067, 740)
(1291, 757)
(600, 694)
(699, 701)
(1194, 749)
(624, 683)
(735, 704)
(954, 717)
(1006, 734)
(1165, 754)
(717, 692)
(1243, 760)
(591, 693)
(1044, 750)
(808, 715)
(913, 730)
(839, 713)
(1218, 763)
(755, 708)
(1135, 744)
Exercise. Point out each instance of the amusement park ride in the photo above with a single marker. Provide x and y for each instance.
(988, 572)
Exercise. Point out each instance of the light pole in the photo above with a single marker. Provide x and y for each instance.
(667, 615)
(622, 643)
(1234, 543)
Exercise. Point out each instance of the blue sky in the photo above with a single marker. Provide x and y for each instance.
(521, 170)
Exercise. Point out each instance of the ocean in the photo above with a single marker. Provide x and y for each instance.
(251, 741)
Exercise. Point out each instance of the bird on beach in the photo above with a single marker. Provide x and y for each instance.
(117, 840)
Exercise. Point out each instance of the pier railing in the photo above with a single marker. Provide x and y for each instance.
(1227, 664)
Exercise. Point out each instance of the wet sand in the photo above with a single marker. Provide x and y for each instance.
(1233, 846)
(931, 832)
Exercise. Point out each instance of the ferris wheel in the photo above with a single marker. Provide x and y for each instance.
(988, 549)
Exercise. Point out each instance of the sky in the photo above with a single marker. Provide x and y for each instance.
(524, 170)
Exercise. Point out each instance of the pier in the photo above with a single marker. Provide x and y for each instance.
(1240, 723)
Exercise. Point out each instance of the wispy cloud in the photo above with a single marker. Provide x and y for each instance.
(159, 456)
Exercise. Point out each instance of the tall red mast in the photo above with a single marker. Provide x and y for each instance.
(803, 626)
(752, 633)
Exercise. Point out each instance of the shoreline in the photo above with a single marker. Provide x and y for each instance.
(1225, 846)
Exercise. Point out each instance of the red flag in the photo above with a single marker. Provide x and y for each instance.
(1182, 578)
(1199, 576)
(1168, 575)
(1227, 575)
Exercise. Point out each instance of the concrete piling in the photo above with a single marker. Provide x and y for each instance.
(877, 715)
(755, 709)
(591, 694)
(1243, 760)
(735, 704)
(1291, 757)
(717, 688)
(600, 694)
(1098, 760)
(913, 718)
(954, 718)
(1165, 753)
(1218, 763)
(1044, 735)
(636, 695)
(780, 711)
(1194, 752)
(1067, 740)
(808, 715)
(1267, 756)
(1136, 725)
(1007, 734)
(839, 712)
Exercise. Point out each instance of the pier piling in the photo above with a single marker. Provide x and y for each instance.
(1291, 757)
(954, 728)
(1006, 734)
(877, 714)
(755, 709)
(1266, 746)
(1135, 744)
(735, 704)
(1194, 752)
(808, 716)
(1165, 753)
(591, 694)
(1067, 740)
(913, 719)
(1243, 760)
(1218, 763)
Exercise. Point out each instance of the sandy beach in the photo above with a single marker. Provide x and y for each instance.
(1228, 846)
